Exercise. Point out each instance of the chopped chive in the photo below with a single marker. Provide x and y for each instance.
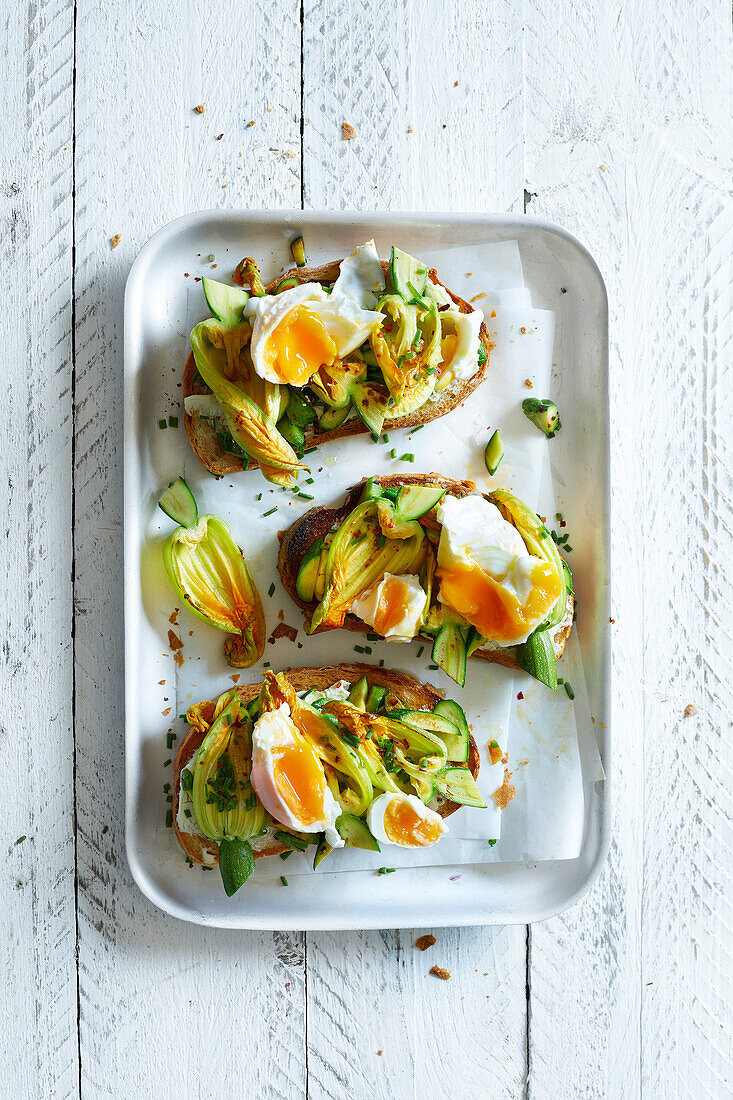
(271, 589)
(166, 762)
(309, 450)
(367, 649)
(407, 457)
(385, 438)
(494, 744)
(269, 513)
(21, 839)
(419, 428)
(283, 880)
(169, 819)
(372, 637)
(492, 843)
(305, 496)
(183, 716)
(420, 651)
(173, 421)
(569, 691)
(309, 481)
(105, 830)
(560, 682)
(170, 738)
(358, 648)
(386, 870)
(211, 257)
(568, 548)
(381, 664)
(266, 664)
(286, 855)
(433, 667)
(259, 496)
(393, 453)
(169, 798)
(300, 645)
(162, 424)
(166, 787)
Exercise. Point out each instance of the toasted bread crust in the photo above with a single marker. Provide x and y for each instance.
(202, 436)
(318, 521)
(406, 688)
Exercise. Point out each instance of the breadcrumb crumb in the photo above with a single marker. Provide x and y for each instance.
(200, 108)
(424, 942)
(348, 133)
(114, 241)
(690, 710)
(440, 972)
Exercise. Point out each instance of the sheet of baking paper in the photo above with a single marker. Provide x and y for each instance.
(545, 819)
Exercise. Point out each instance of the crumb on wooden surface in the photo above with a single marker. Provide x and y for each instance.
(251, 123)
(174, 641)
(690, 710)
(440, 972)
(528, 383)
(114, 241)
(422, 943)
(348, 133)
(200, 108)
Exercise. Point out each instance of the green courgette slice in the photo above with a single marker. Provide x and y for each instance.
(356, 834)
(236, 864)
(458, 785)
(494, 453)
(225, 302)
(179, 504)
(414, 501)
(409, 276)
(305, 585)
(537, 657)
(449, 652)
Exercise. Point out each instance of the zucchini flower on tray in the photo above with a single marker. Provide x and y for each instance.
(209, 573)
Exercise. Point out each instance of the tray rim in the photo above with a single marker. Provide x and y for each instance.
(283, 919)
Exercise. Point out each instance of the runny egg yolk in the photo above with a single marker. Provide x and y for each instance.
(495, 612)
(298, 346)
(448, 347)
(403, 825)
(391, 605)
(300, 781)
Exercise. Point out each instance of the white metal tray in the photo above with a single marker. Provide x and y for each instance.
(562, 276)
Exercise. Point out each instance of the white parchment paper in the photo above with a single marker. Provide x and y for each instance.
(545, 819)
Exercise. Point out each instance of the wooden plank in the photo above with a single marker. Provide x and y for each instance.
(390, 71)
(38, 1004)
(637, 964)
(166, 1009)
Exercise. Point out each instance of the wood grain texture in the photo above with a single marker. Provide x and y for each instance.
(624, 142)
(421, 143)
(38, 1004)
(166, 1009)
(432, 93)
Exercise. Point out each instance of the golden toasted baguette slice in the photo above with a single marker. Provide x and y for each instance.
(317, 522)
(402, 690)
(202, 433)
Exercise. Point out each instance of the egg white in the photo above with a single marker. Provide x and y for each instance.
(474, 533)
(365, 606)
(378, 808)
(344, 311)
(273, 729)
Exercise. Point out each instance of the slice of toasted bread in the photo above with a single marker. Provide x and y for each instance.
(406, 690)
(202, 434)
(317, 522)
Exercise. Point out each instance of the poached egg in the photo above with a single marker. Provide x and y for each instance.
(403, 819)
(289, 779)
(304, 328)
(486, 574)
(394, 606)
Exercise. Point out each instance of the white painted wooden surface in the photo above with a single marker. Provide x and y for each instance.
(609, 117)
